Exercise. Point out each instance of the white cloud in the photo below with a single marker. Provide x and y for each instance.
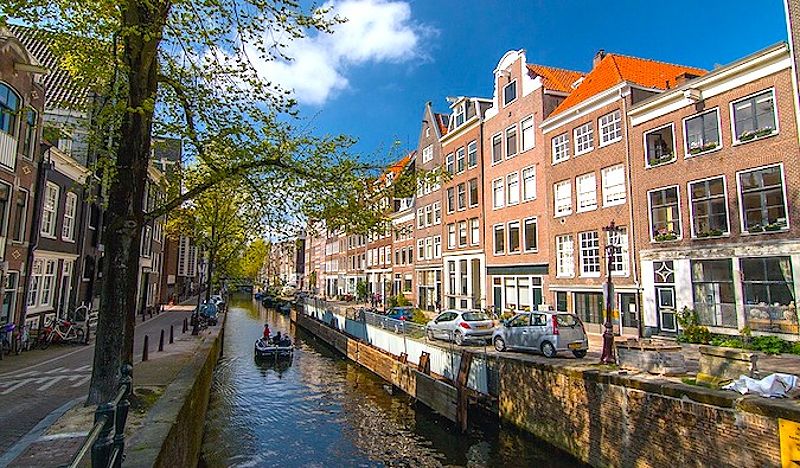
(376, 31)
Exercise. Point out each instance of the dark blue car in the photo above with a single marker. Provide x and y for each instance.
(401, 313)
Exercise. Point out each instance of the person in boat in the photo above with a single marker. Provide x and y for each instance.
(266, 332)
(278, 338)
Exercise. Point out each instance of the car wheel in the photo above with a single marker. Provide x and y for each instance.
(430, 335)
(499, 344)
(579, 353)
(548, 349)
(458, 337)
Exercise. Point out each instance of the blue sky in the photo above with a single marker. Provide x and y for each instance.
(372, 78)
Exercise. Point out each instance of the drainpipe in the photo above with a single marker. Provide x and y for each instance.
(632, 222)
(41, 177)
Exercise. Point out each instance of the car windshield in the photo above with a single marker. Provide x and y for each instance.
(474, 316)
(566, 320)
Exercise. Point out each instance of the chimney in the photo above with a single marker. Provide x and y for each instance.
(598, 57)
(684, 77)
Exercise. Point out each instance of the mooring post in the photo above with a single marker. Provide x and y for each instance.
(171, 334)
(161, 341)
(185, 325)
(144, 350)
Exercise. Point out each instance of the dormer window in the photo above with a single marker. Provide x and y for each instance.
(509, 93)
(459, 117)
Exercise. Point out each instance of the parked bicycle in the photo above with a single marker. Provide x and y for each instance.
(6, 337)
(61, 331)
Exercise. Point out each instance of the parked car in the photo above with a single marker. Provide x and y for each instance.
(546, 332)
(401, 313)
(218, 301)
(460, 325)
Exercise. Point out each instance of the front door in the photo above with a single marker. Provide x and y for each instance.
(628, 310)
(665, 307)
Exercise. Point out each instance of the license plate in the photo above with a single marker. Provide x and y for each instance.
(575, 345)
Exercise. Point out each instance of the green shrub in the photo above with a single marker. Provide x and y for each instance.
(419, 317)
(691, 330)
(770, 344)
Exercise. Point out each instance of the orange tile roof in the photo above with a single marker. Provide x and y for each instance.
(557, 79)
(397, 167)
(442, 122)
(614, 69)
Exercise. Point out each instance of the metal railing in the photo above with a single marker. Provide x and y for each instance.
(106, 439)
(400, 327)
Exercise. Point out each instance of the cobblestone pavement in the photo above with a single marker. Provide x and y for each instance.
(36, 383)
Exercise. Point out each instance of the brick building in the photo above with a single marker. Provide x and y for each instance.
(426, 255)
(464, 259)
(402, 233)
(715, 165)
(588, 180)
(514, 199)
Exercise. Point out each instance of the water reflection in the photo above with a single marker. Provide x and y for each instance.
(318, 409)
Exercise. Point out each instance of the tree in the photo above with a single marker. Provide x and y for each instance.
(183, 68)
(248, 265)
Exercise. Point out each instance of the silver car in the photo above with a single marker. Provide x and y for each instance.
(460, 325)
(545, 332)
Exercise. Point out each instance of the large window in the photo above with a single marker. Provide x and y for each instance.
(560, 148)
(472, 154)
(450, 164)
(754, 117)
(509, 93)
(451, 199)
(43, 276)
(613, 185)
(589, 307)
(427, 152)
(460, 161)
(565, 262)
(530, 235)
(499, 239)
(437, 247)
(9, 109)
(610, 128)
(562, 198)
(762, 199)
(709, 207)
(428, 215)
(497, 148)
(768, 290)
(590, 253)
(512, 183)
(584, 138)
(659, 146)
(475, 231)
(68, 227)
(511, 141)
(462, 196)
(714, 299)
(586, 188)
(420, 249)
(49, 208)
(462, 233)
(619, 261)
(702, 132)
(473, 192)
(665, 218)
(498, 193)
(451, 236)
(529, 183)
(528, 133)
(513, 237)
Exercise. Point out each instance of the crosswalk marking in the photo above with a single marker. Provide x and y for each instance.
(41, 381)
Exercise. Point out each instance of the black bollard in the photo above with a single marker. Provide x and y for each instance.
(144, 350)
(185, 325)
(171, 334)
(161, 341)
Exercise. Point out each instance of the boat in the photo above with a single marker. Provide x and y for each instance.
(283, 307)
(259, 296)
(268, 301)
(271, 349)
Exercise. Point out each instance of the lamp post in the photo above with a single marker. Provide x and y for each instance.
(612, 232)
(196, 315)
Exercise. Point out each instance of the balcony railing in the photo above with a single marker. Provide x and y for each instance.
(8, 150)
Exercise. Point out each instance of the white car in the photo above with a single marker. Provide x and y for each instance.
(460, 326)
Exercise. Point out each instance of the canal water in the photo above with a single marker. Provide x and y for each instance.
(320, 410)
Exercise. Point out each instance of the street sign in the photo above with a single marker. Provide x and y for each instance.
(790, 443)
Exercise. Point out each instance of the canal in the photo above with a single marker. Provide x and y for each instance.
(323, 410)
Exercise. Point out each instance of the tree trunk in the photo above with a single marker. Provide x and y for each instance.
(142, 24)
(209, 280)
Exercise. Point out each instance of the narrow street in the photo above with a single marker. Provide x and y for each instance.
(37, 383)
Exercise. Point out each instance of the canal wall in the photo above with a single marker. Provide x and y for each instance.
(172, 433)
(604, 418)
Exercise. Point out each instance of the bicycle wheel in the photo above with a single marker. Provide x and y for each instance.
(45, 341)
(79, 336)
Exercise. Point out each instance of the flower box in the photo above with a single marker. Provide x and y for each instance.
(665, 236)
(773, 227)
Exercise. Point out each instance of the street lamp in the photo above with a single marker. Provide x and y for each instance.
(196, 315)
(612, 244)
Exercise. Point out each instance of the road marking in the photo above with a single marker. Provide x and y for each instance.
(65, 435)
(82, 380)
(50, 382)
(16, 450)
(47, 379)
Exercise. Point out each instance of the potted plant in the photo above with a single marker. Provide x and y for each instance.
(664, 235)
(762, 132)
(715, 233)
(772, 227)
(747, 136)
(710, 146)
(755, 228)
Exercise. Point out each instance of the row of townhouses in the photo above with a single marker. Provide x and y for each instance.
(51, 203)
(696, 169)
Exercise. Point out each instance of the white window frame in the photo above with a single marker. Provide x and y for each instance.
(775, 131)
(472, 148)
(475, 231)
(584, 272)
(685, 120)
(563, 209)
(530, 177)
(497, 158)
(461, 160)
(535, 222)
(558, 143)
(604, 176)
(565, 269)
(437, 213)
(512, 178)
(427, 152)
(584, 196)
(451, 236)
(495, 228)
(691, 204)
(680, 214)
(498, 187)
(420, 217)
(582, 139)
(49, 215)
(785, 199)
(450, 163)
(607, 126)
(527, 124)
(623, 252)
(68, 223)
(462, 227)
(516, 92)
(670, 125)
(512, 128)
(518, 225)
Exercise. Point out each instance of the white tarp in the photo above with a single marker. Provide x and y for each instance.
(773, 385)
